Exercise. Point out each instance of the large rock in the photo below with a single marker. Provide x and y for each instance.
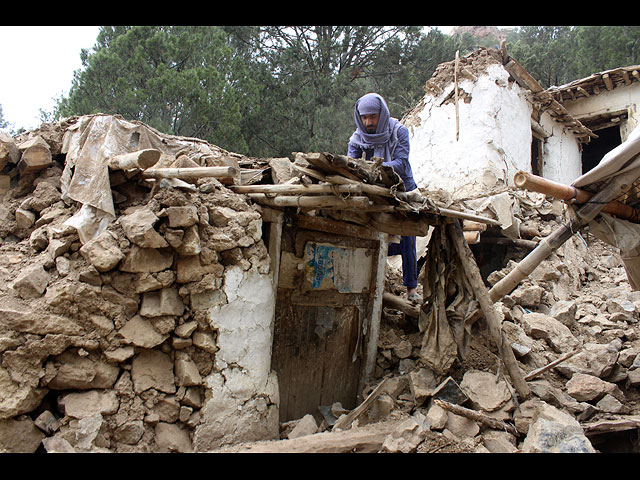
(103, 252)
(557, 335)
(422, 383)
(161, 303)
(152, 369)
(139, 228)
(139, 332)
(305, 426)
(15, 398)
(86, 404)
(19, 436)
(406, 437)
(146, 260)
(31, 282)
(186, 372)
(82, 373)
(564, 311)
(595, 359)
(485, 391)
(172, 438)
(588, 388)
(182, 217)
(554, 431)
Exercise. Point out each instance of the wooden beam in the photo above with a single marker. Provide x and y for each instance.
(482, 296)
(200, 172)
(345, 421)
(142, 159)
(587, 212)
(405, 306)
(318, 201)
(328, 225)
(292, 189)
(479, 417)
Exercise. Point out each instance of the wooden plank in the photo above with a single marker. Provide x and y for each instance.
(373, 327)
(333, 226)
(318, 160)
(347, 420)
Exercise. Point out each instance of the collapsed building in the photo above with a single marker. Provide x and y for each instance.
(163, 294)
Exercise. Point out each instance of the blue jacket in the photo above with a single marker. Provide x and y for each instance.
(399, 162)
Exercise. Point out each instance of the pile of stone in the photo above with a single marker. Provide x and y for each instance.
(573, 325)
(110, 344)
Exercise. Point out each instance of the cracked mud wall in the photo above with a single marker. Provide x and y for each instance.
(154, 336)
(243, 388)
(494, 140)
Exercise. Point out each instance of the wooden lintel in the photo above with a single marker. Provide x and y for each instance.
(333, 226)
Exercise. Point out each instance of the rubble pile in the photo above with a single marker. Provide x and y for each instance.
(107, 342)
(104, 345)
(573, 325)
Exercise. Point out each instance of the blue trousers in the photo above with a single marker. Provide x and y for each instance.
(406, 248)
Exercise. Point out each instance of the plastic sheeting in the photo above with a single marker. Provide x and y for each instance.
(89, 144)
(625, 235)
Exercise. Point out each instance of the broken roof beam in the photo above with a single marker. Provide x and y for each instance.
(534, 183)
(585, 214)
(293, 189)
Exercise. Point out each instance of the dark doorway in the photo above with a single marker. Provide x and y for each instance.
(592, 153)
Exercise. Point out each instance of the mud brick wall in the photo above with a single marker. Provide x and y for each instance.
(153, 336)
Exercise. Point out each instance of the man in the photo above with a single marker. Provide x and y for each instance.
(380, 135)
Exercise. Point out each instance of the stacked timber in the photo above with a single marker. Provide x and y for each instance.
(353, 190)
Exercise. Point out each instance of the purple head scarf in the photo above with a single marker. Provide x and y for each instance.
(384, 140)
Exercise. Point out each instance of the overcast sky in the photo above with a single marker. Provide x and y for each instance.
(37, 67)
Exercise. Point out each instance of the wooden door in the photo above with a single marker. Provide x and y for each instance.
(323, 307)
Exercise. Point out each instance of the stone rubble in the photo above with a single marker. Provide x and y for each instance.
(105, 347)
(577, 300)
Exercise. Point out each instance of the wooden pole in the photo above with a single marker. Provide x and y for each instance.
(557, 190)
(318, 201)
(477, 416)
(548, 245)
(141, 159)
(286, 189)
(405, 306)
(482, 296)
(196, 172)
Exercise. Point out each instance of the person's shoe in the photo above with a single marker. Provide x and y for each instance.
(414, 298)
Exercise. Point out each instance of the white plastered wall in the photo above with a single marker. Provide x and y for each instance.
(494, 140)
(243, 397)
(562, 156)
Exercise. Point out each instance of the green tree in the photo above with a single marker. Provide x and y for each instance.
(181, 80)
(546, 52)
(318, 72)
(600, 48)
(4, 125)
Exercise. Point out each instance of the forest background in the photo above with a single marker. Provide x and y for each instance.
(268, 91)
